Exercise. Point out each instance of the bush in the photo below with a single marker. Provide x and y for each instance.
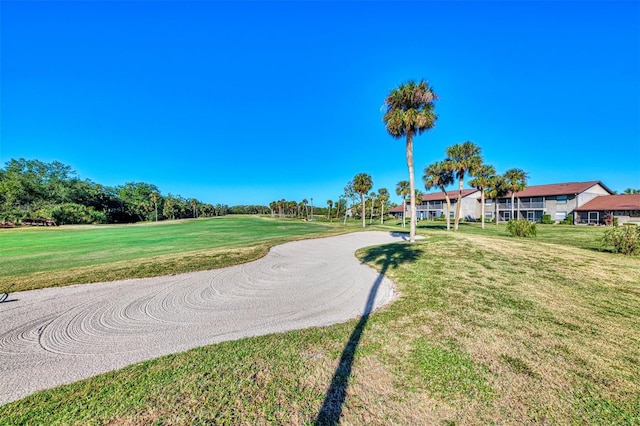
(546, 219)
(568, 220)
(622, 239)
(521, 228)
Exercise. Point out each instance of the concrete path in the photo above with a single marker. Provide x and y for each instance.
(60, 335)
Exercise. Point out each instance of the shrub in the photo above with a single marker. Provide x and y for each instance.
(521, 228)
(622, 239)
(546, 219)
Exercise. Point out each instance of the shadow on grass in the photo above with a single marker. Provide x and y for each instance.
(388, 256)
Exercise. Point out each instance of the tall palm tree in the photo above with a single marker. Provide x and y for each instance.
(362, 183)
(330, 205)
(410, 111)
(372, 202)
(194, 204)
(482, 180)
(154, 199)
(496, 189)
(383, 197)
(464, 158)
(402, 189)
(440, 175)
(514, 180)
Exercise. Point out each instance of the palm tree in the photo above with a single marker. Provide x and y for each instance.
(330, 205)
(464, 157)
(410, 111)
(383, 197)
(514, 180)
(482, 180)
(194, 204)
(154, 199)
(402, 189)
(362, 183)
(440, 175)
(496, 189)
(372, 202)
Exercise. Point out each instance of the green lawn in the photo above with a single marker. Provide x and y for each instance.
(488, 329)
(45, 257)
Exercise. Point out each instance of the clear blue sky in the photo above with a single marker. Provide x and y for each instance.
(249, 102)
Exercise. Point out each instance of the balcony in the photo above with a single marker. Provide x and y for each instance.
(532, 204)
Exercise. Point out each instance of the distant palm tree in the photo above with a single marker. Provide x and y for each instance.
(372, 202)
(383, 197)
(482, 180)
(348, 195)
(410, 111)
(496, 189)
(514, 180)
(194, 204)
(403, 189)
(154, 199)
(464, 157)
(330, 205)
(440, 175)
(631, 191)
(362, 183)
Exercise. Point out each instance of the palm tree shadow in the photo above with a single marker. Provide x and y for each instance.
(388, 256)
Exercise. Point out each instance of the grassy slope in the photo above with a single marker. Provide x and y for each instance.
(488, 329)
(46, 257)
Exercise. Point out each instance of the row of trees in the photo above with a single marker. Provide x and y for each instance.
(32, 188)
(465, 159)
(410, 111)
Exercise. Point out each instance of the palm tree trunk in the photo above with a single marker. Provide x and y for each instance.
(412, 186)
(513, 195)
(381, 213)
(458, 205)
(404, 212)
(446, 196)
(482, 206)
(364, 212)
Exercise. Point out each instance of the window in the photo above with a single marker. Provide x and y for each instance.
(561, 199)
(487, 201)
(561, 215)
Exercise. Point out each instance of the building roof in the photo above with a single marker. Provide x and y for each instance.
(612, 202)
(397, 209)
(453, 195)
(569, 188)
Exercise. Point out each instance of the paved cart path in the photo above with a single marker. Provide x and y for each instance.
(55, 336)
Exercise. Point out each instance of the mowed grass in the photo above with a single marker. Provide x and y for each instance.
(47, 257)
(487, 330)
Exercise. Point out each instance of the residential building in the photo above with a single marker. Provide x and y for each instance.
(603, 210)
(588, 202)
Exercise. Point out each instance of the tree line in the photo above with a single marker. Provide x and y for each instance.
(35, 189)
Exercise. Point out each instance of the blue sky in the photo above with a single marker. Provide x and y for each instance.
(249, 102)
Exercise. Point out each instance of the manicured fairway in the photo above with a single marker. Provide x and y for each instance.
(487, 330)
(40, 257)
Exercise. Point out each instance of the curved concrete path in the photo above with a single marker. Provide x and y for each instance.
(60, 335)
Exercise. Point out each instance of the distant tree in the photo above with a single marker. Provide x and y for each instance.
(403, 189)
(372, 202)
(464, 158)
(410, 111)
(194, 206)
(631, 191)
(329, 206)
(362, 183)
(154, 196)
(482, 177)
(349, 192)
(440, 175)
(514, 180)
(383, 198)
(496, 189)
